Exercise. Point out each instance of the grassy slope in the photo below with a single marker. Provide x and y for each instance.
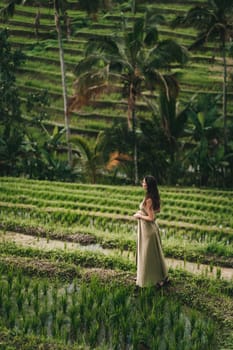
(41, 69)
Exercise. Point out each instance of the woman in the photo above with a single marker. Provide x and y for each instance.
(151, 267)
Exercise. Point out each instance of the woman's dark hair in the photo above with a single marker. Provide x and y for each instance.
(152, 191)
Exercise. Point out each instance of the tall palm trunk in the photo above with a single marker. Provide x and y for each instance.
(224, 96)
(64, 89)
(135, 151)
(133, 6)
(132, 103)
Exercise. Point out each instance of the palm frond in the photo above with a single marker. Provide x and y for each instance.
(151, 37)
(222, 5)
(180, 122)
(170, 51)
(201, 40)
(104, 44)
(138, 28)
(116, 159)
(153, 18)
(99, 141)
(151, 104)
(88, 86)
(8, 10)
(86, 64)
(83, 147)
(173, 85)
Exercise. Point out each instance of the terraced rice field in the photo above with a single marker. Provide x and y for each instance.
(42, 69)
(68, 267)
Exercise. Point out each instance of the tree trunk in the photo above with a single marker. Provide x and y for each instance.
(134, 124)
(133, 6)
(135, 151)
(64, 89)
(224, 97)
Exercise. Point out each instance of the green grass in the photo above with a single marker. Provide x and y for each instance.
(193, 221)
(78, 314)
(189, 221)
(195, 78)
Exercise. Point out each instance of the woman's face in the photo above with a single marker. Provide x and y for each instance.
(144, 184)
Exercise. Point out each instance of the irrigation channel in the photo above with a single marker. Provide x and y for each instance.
(52, 244)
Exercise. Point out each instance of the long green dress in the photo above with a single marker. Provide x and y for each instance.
(151, 266)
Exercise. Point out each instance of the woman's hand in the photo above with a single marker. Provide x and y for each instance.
(137, 215)
(148, 214)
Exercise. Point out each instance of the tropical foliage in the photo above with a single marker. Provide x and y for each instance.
(175, 140)
(213, 21)
(136, 61)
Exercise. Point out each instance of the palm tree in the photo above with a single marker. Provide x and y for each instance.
(116, 154)
(11, 130)
(91, 157)
(135, 60)
(204, 150)
(214, 23)
(173, 119)
(60, 8)
(91, 7)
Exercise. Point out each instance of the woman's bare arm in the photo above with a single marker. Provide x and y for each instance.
(149, 210)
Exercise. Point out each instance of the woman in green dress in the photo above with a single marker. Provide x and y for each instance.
(151, 266)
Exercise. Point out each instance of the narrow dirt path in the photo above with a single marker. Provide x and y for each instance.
(43, 243)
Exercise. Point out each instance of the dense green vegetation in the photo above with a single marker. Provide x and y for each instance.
(182, 137)
(108, 315)
(84, 297)
(97, 94)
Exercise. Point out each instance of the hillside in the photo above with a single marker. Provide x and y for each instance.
(41, 70)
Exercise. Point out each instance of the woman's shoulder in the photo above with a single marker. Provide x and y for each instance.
(148, 201)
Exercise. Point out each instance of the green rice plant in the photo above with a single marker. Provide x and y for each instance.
(55, 296)
(193, 319)
(24, 325)
(9, 290)
(19, 301)
(29, 298)
(198, 337)
(75, 322)
(93, 334)
(43, 317)
(34, 323)
(211, 266)
(7, 307)
(64, 304)
(179, 332)
(35, 304)
(45, 287)
(116, 314)
(10, 281)
(53, 313)
(59, 322)
(35, 290)
(218, 273)
(54, 328)
(11, 319)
